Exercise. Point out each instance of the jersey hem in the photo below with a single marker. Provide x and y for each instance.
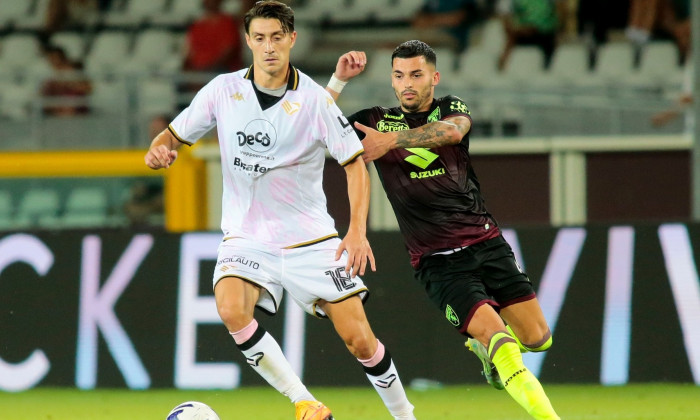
(312, 242)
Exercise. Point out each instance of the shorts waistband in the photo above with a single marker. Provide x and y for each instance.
(449, 251)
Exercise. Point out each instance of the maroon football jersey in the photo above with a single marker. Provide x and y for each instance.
(434, 192)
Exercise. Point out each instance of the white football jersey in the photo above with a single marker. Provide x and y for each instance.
(272, 159)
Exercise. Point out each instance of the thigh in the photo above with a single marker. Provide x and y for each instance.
(311, 274)
(527, 320)
(454, 284)
(503, 278)
(235, 302)
(251, 263)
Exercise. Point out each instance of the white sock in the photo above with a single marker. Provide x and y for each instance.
(265, 356)
(381, 372)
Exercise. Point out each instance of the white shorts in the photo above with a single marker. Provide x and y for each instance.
(307, 273)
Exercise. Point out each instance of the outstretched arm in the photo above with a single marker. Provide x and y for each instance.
(163, 150)
(349, 65)
(355, 241)
(449, 131)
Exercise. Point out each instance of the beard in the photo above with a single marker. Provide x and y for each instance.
(414, 104)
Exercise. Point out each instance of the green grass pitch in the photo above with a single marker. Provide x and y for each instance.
(573, 402)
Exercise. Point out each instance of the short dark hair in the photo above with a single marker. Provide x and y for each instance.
(414, 48)
(271, 9)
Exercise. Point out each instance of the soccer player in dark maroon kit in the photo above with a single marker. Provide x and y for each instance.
(421, 152)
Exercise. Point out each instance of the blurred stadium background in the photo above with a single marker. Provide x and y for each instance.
(599, 197)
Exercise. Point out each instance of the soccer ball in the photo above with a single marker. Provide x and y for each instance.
(192, 410)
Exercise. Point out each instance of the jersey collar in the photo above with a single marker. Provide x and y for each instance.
(292, 83)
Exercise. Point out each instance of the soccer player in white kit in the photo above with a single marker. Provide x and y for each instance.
(274, 125)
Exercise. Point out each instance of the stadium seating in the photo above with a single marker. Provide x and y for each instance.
(153, 51)
(73, 43)
(38, 207)
(570, 65)
(478, 68)
(357, 12)
(314, 11)
(12, 11)
(614, 63)
(492, 37)
(156, 97)
(108, 52)
(16, 99)
(524, 64)
(397, 11)
(35, 18)
(85, 207)
(134, 13)
(658, 65)
(179, 13)
(20, 53)
(6, 210)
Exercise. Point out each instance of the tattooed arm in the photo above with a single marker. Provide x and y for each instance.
(449, 131)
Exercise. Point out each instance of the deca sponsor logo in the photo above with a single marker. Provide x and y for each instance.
(258, 135)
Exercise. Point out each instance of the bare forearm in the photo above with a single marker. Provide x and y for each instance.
(167, 139)
(435, 134)
(358, 194)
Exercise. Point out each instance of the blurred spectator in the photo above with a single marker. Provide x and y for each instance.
(144, 208)
(158, 124)
(531, 22)
(678, 25)
(72, 14)
(65, 90)
(454, 17)
(682, 106)
(595, 26)
(650, 18)
(214, 41)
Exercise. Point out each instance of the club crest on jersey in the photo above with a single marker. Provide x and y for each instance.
(459, 106)
(291, 107)
(259, 136)
(388, 126)
(434, 116)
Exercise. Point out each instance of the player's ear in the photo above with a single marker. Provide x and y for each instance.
(293, 37)
(436, 78)
(247, 41)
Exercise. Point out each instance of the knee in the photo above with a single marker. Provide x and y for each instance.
(542, 344)
(362, 346)
(234, 317)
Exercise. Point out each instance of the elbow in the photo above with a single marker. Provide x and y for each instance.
(454, 136)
